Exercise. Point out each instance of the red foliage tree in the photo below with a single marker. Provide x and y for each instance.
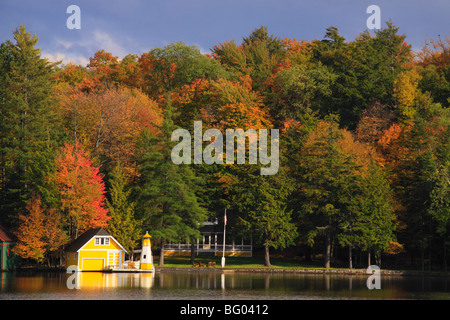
(82, 190)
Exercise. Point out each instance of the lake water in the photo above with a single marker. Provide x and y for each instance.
(215, 285)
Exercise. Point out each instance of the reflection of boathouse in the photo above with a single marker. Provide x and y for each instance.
(211, 243)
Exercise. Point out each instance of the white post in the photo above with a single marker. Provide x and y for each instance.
(224, 232)
(215, 243)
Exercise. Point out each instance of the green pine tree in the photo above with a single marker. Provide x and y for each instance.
(326, 186)
(123, 225)
(267, 219)
(28, 128)
(166, 193)
(366, 70)
(369, 218)
(259, 206)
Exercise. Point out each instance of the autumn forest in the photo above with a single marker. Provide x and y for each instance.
(364, 147)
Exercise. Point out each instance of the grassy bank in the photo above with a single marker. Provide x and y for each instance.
(255, 264)
(235, 262)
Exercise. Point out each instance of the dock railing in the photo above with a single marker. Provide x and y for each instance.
(216, 249)
(131, 264)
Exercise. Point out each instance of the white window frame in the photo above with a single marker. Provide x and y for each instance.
(101, 241)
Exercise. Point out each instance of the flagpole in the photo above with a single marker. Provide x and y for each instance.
(224, 232)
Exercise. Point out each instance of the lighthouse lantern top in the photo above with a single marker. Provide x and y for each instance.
(146, 240)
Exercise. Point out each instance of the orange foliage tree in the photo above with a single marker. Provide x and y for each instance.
(106, 122)
(221, 104)
(40, 233)
(436, 53)
(30, 243)
(105, 67)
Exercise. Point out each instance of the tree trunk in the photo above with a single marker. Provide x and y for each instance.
(161, 255)
(308, 254)
(422, 258)
(429, 254)
(445, 256)
(429, 246)
(328, 251)
(350, 264)
(267, 257)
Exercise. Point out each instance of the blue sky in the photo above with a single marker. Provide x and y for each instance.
(136, 26)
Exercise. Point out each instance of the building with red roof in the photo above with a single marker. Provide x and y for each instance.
(8, 260)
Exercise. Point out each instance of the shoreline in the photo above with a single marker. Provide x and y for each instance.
(302, 271)
(267, 270)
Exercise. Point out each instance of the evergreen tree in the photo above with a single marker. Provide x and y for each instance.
(300, 91)
(421, 180)
(266, 217)
(366, 70)
(256, 57)
(369, 219)
(327, 185)
(166, 193)
(273, 44)
(123, 224)
(28, 126)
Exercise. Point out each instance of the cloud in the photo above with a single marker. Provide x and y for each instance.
(105, 41)
(202, 50)
(65, 58)
(64, 43)
(81, 49)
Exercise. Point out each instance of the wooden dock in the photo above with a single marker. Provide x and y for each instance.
(130, 270)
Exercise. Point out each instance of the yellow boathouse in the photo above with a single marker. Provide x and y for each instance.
(95, 250)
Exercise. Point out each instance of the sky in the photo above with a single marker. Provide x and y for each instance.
(136, 26)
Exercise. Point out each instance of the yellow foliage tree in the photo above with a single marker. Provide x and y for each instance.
(106, 122)
(406, 92)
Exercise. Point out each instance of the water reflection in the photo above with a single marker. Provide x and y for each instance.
(215, 285)
(99, 280)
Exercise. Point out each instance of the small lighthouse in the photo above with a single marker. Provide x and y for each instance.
(146, 254)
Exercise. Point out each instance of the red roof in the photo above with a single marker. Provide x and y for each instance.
(5, 236)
